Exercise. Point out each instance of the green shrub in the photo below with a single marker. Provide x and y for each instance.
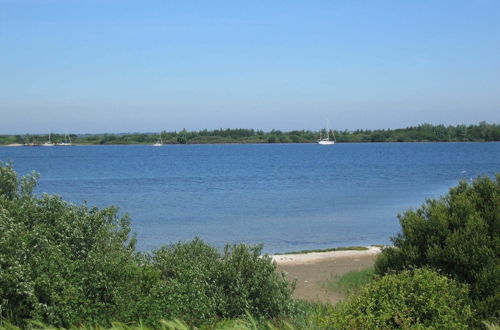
(459, 234)
(251, 283)
(59, 263)
(203, 284)
(410, 299)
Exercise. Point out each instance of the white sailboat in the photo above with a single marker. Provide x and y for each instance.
(67, 140)
(159, 143)
(326, 141)
(48, 143)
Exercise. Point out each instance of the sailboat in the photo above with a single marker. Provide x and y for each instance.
(48, 143)
(67, 140)
(326, 141)
(159, 143)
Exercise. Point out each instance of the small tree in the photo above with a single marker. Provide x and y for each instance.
(459, 234)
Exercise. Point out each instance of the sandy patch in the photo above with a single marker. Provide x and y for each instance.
(311, 271)
(314, 257)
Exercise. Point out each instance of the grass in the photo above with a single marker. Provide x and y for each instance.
(344, 248)
(491, 326)
(350, 282)
(308, 317)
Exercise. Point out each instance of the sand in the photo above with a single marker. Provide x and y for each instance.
(312, 270)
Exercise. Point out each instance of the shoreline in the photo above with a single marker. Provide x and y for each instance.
(312, 271)
(316, 257)
(248, 143)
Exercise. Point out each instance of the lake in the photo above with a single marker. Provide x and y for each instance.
(286, 196)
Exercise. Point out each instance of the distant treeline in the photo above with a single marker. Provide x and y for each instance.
(421, 133)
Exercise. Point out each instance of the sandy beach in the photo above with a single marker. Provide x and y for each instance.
(312, 270)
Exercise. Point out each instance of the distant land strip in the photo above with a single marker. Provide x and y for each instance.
(421, 133)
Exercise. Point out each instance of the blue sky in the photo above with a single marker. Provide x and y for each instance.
(128, 66)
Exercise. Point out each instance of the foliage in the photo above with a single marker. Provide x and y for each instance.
(421, 133)
(251, 283)
(64, 265)
(419, 298)
(459, 234)
(199, 284)
(59, 263)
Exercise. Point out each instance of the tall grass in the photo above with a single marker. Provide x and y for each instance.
(350, 282)
(308, 319)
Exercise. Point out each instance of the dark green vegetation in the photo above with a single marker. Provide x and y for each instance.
(68, 265)
(422, 133)
(344, 248)
(458, 235)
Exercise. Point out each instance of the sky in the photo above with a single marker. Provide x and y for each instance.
(94, 66)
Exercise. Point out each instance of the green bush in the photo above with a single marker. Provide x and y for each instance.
(251, 283)
(63, 265)
(59, 263)
(419, 299)
(459, 234)
(202, 283)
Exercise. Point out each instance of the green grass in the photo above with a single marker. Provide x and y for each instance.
(350, 282)
(309, 316)
(344, 248)
(491, 326)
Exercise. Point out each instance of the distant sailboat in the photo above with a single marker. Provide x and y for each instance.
(159, 143)
(48, 143)
(326, 141)
(67, 140)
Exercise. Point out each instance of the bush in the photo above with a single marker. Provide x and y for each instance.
(411, 299)
(203, 284)
(59, 263)
(64, 265)
(251, 283)
(458, 234)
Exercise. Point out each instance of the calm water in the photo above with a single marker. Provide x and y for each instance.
(289, 197)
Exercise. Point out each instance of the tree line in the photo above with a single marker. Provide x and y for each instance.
(421, 133)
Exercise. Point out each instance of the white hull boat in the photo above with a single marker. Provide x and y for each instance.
(159, 143)
(48, 143)
(326, 141)
(67, 140)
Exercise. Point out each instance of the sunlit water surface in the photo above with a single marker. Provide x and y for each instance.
(287, 196)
